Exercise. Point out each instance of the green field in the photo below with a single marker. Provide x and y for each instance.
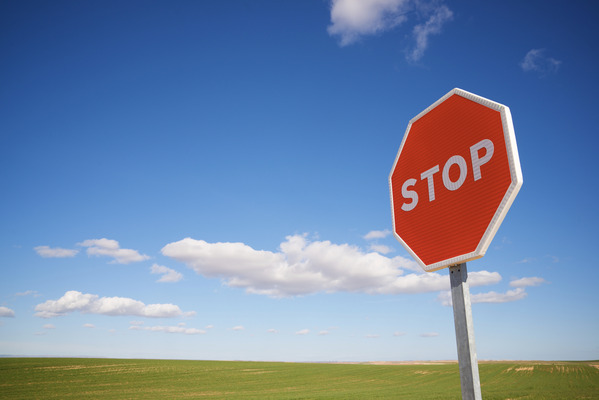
(81, 378)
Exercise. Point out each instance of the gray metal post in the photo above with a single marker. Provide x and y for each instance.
(464, 332)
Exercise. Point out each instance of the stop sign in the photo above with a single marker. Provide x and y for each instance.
(455, 176)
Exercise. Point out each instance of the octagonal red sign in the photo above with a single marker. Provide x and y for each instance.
(455, 176)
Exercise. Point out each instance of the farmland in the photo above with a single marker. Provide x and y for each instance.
(76, 378)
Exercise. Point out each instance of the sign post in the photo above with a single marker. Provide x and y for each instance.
(464, 332)
(456, 174)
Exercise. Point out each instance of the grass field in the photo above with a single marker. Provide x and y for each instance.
(81, 378)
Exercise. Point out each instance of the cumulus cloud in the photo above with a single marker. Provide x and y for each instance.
(445, 298)
(483, 278)
(110, 248)
(238, 328)
(33, 293)
(494, 297)
(6, 312)
(89, 326)
(354, 19)
(169, 329)
(524, 282)
(489, 297)
(168, 274)
(351, 19)
(303, 332)
(537, 61)
(93, 304)
(432, 26)
(380, 248)
(377, 234)
(302, 267)
(56, 252)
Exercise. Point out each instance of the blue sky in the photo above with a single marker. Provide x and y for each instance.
(208, 180)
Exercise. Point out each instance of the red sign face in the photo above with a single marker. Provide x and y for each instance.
(455, 176)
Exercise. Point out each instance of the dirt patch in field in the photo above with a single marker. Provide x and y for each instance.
(524, 369)
(206, 394)
(440, 362)
(77, 366)
(257, 371)
(520, 369)
(63, 367)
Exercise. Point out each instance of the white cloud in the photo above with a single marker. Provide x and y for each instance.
(381, 248)
(272, 331)
(111, 248)
(353, 19)
(168, 274)
(303, 267)
(524, 282)
(169, 329)
(432, 26)
(238, 328)
(93, 304)
(445, 298)
(49, 326)
(6, 312)
(33, 293)
(90, 326)
(377, 234)
(372, 336)
(536, 61)
(527, 260)
(489, 297)
(323, 333)
(397, 334)
(483, 278)
(429, 334)
(303, 332)
(57, 252)
(493, 297)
